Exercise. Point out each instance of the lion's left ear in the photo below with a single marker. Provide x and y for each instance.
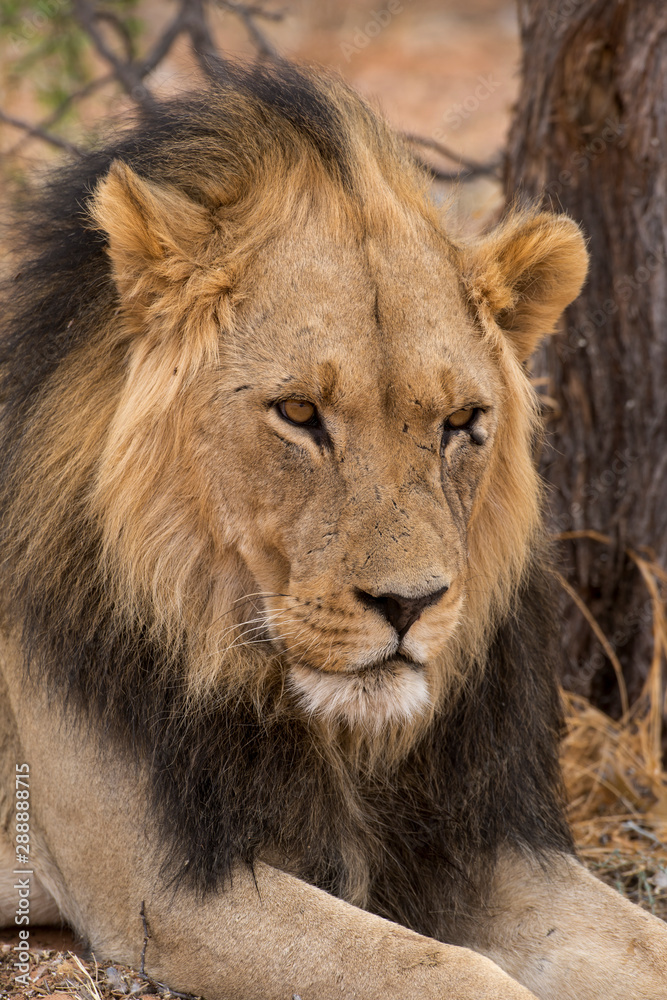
(525, 273)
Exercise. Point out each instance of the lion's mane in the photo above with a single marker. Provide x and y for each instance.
(244, 775)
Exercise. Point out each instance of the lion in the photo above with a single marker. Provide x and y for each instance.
(279, 702)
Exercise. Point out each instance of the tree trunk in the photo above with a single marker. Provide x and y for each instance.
(590, 136)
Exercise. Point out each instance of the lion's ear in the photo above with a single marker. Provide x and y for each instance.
(155, 232)
(526, 272)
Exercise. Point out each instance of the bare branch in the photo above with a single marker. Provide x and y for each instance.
(77, 95)
(127, 73)
(203, 44)
(247, 13)
(254, 10)
(164, 43)
(437, 174)
(160, 50)
(62, 110)
(190, 20)
(40, 133)
(121, 31)
(470, 168)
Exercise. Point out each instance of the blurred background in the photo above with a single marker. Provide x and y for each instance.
(447, 72)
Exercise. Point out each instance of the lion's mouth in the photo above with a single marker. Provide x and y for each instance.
(383, 666)
(393, 689)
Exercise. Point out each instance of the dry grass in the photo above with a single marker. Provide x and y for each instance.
(58, 975)
(618, 801)
(613, 770)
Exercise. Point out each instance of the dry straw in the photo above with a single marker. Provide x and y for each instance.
(613, 770)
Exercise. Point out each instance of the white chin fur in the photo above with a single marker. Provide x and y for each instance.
(371, 699)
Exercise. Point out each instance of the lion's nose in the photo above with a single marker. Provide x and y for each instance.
(400, 611)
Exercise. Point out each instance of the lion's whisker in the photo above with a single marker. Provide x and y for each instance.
(230, 610)
(263, 618)
(239, 642)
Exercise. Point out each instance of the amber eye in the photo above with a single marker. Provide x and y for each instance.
(298, 411)
(461, 418)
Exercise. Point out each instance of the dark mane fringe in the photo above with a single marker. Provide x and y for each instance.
(237, 781)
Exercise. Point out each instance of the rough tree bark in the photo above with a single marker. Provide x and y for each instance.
(590, 137)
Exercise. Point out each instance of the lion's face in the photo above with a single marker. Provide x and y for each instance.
(320, 459)
(341, 474)
(352, 514)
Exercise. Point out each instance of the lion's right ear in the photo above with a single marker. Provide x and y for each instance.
(157, 235)
(166, 260)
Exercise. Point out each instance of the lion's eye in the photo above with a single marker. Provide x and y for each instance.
(461, 418)
(299, 411)
(464, 420)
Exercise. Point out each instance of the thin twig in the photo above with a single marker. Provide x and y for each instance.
(164, 43)
(631, 825)
(77, 95)
(160, 50)
(653, 684)
(127, 73)
(190, 20)
(442, 175)
(596, 536)
(40, 133)
(471, 168)
(601, 637)
(142, 967)
(253, 10)
(203, 43)
(88, 983)
(121, 31)
(247, 13)
(62, 109)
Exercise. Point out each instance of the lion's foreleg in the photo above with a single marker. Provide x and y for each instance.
(14, 790)
(283, 937)
(566, 936)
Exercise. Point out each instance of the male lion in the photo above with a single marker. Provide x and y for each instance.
(277, 653)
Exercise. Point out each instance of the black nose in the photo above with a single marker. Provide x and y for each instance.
(400, 611)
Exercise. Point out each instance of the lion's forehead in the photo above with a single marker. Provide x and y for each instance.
(388, 318)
